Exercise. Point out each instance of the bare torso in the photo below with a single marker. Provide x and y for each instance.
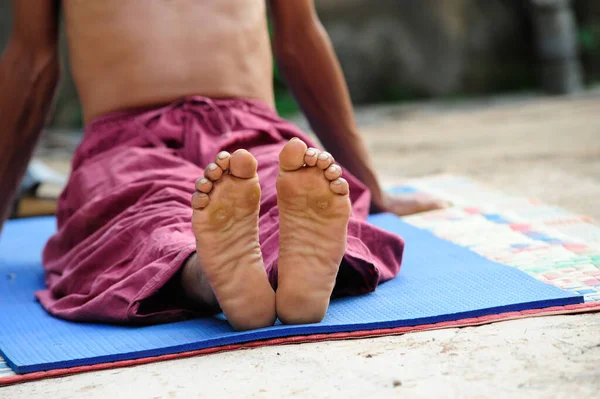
(131, 53)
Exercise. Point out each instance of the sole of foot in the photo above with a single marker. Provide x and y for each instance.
(314, 209)
(225, 223)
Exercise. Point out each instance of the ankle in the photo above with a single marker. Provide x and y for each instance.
(196, 290)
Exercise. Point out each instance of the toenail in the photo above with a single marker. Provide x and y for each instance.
(337, 182)
(295, 138)
(310, 152)
(223, 155)
(323, 156)
(212, 166)
(204, 180)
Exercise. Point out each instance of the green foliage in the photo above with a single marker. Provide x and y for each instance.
(589, 38)
(286, 104)
(284, 101)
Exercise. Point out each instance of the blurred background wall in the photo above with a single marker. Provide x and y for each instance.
(403, 50)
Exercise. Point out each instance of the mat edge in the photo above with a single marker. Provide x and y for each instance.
(589, 307)
(297, 331)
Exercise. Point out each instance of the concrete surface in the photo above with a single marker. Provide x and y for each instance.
(549, 357)
(547, 148)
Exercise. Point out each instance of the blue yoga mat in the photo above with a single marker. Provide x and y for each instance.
(439, 281)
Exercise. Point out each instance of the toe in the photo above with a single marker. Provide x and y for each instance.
(242, 164)
(213, 172)
(333, 172)
(339, 186)
(204, 185)
(324, 160)
(292, 155)
(199, 200)
(311, 156)
(223, 160)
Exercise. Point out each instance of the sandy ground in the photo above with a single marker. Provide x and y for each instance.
(547, 148)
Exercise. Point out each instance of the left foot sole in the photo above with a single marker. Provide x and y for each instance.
(225, 223)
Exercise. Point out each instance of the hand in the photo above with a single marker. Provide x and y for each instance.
(408, 204)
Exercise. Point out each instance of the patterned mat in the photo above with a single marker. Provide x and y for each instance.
(552, 244)
(555, 246)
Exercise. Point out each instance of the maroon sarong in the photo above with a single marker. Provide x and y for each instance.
(124, 226)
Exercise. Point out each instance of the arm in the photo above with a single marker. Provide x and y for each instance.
(308, 63)
(29, 71)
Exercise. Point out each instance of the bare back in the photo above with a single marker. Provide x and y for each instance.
(131, 53)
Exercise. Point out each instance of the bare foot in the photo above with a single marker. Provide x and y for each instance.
(225, 222)
(314, 209)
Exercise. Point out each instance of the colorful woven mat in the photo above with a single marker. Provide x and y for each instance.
(552, 244)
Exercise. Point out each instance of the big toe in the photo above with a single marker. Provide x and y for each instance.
(242, 164)
(291, 156)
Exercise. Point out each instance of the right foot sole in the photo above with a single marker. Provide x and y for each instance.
(314, 209)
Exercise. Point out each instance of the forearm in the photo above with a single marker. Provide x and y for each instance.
(313, 73)
(27, 85)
